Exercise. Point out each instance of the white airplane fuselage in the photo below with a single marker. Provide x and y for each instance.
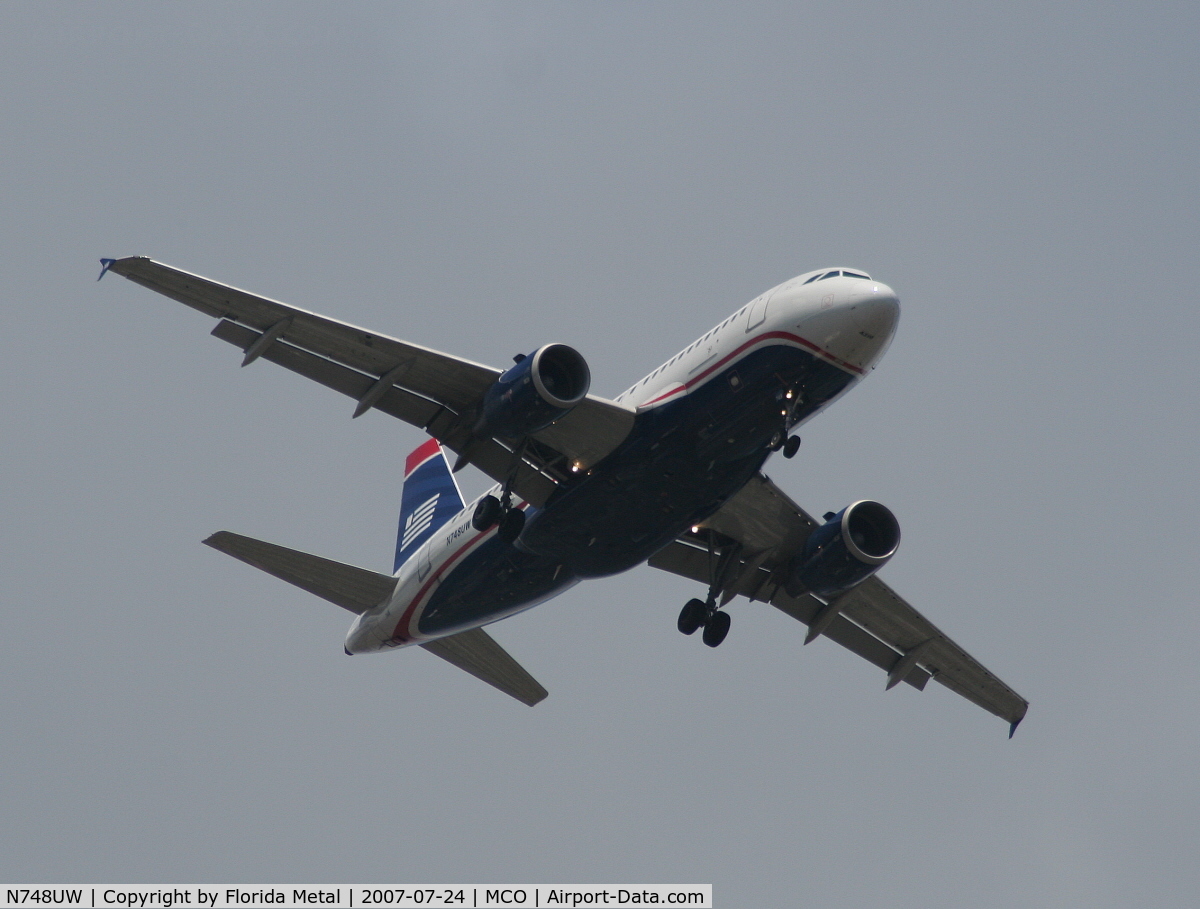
(706, 421)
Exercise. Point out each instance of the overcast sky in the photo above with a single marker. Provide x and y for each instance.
(486, 178)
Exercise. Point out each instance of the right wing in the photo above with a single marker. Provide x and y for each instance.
(870, 619)
(434, 391)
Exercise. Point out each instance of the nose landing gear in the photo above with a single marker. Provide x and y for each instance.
(790, 445)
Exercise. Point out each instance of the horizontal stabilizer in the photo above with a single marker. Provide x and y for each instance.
(476, 652)
(355, 589)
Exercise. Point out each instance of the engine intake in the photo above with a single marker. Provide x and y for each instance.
(845, 550)
(540, 389)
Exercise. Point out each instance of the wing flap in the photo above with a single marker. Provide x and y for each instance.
(456, 382)
(477, 652)
(354, 589)
(845, 632)
(397, 402)
(590, 431)
(760, 516)
(488, 455)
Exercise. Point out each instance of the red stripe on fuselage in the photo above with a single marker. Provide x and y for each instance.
(783, 335)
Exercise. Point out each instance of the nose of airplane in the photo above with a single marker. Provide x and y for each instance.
(876, 312)
(855, 324)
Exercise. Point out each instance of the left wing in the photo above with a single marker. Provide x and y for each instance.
(429, 389)
(870, 619)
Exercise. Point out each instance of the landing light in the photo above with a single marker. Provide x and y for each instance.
(576, 466)
(695, 528)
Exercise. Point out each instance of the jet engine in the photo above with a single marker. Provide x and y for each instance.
(844, 551)
(533, 394)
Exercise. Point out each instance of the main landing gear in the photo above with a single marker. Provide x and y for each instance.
(706, 614)
(697, 613)
(490, 512)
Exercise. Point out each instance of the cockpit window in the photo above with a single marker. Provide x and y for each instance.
(834, 274)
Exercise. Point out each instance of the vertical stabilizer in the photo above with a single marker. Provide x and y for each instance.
(430, 499)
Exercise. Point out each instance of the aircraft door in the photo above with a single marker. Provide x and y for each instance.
(424, 560)
(757, 312)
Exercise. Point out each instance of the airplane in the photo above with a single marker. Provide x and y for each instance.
(668, 473)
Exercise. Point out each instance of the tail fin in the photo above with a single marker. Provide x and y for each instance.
(430, 499)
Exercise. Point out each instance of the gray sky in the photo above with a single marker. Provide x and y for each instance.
(485, 178)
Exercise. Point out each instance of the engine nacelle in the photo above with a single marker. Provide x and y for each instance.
(845, 550)
(537, 391)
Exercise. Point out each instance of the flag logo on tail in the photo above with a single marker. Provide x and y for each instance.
(419, 521)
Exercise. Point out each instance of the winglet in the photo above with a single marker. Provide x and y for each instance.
(107, 264)
(1013, 727)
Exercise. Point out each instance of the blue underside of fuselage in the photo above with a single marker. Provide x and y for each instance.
(681, 462)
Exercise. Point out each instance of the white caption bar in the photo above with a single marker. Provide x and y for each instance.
(473, 896)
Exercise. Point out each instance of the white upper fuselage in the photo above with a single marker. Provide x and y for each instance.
(848, 321)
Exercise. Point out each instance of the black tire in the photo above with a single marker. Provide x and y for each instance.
(487, 513)
(776, 442)
(511, 525)
(692, 616)
(791, 446)
(716, 628)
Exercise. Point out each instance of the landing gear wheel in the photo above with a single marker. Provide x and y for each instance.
(716, 628)
(791, 446)
(511, 525)
(777, 441)
(693, 615)
(487, 513)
